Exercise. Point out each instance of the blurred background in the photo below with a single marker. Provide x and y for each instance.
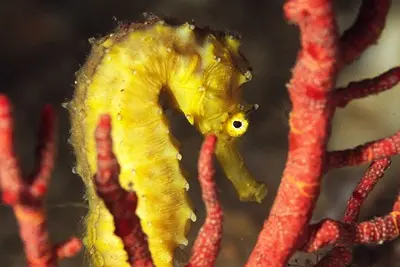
(43, 43)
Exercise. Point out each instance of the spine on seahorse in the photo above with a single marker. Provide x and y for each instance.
(200, 70)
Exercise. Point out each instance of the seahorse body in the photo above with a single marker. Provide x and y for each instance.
(201, 70)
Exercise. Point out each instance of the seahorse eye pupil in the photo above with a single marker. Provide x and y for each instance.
(237, 124)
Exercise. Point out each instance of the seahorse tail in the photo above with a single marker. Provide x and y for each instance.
(163, 204)
(164, 208)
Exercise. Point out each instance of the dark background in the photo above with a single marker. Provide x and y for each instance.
(43, 43)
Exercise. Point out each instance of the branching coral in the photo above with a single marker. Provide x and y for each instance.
(349, 232)
(118, 201)
(207, 245)
(314, 101)
(26, 196)
(287, 230)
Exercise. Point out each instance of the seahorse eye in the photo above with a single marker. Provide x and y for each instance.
(237, 124)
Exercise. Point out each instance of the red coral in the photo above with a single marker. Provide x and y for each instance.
(377, 149)
(360, 89)
(376, 230)
(314, 101)
(366, 29)
(119, 202)
(313, 78)
(347, 232)
(26, 196)
(206, 247)
(374, 172)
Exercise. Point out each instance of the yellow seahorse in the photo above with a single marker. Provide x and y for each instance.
(201, 70)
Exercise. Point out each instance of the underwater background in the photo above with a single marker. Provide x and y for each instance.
(43, 43)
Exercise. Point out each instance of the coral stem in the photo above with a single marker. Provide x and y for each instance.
(367, 87)
(120, 203)
(366, 29)
(375, 231)
(207, 245)
(373, 174)
(385, 147)
(313, 79)
(341, 255)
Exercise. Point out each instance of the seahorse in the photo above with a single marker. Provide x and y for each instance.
(202, 72)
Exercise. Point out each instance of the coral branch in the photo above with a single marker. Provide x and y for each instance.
(313, 79)
(45, 153)
(367, 87)
(368, 152)
(375, 231)
(68, 248)
(120, 203)
(378, 230)
(207, 245)
(341, 255)
(25, 196)
(374, 172)
(366, 29)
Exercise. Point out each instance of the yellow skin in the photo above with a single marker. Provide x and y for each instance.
(201, 71)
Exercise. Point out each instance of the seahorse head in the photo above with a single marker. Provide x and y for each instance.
(204, 73)
(223, 112)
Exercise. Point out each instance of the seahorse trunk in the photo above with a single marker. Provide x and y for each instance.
(148, 156)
